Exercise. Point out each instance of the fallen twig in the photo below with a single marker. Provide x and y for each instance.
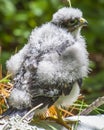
(98, 102)
(33, 109)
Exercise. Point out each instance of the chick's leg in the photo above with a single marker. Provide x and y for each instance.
(59, 119)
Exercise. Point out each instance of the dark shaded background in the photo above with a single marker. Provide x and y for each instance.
(19, 17)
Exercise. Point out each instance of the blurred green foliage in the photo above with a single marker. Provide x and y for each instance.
(19, 17)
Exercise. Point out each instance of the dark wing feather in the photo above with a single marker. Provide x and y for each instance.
(67, 88)
(46, 101)
(44, 93)
(80, 81)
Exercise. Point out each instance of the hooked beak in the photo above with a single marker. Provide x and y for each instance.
(83, 22)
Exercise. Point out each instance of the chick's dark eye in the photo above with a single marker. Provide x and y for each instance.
(73, 21)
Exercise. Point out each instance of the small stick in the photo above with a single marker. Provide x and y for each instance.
(0, 65)
(98, 102)
(33, 109)
(66, 112)
(6, 102)
(69, 2)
